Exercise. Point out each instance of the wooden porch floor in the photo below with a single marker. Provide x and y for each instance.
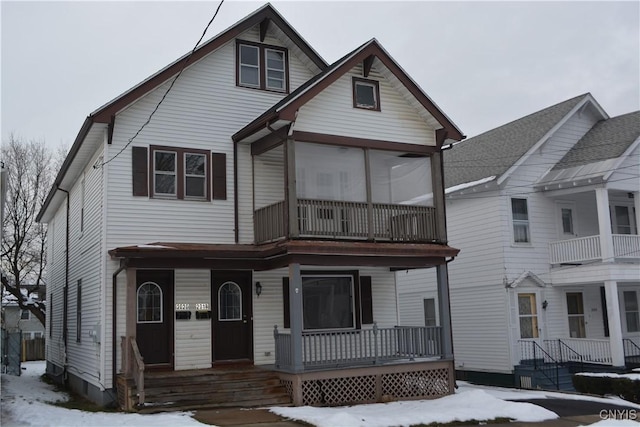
(218, 387)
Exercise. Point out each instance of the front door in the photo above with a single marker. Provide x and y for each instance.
(154, 315)
(232, 315)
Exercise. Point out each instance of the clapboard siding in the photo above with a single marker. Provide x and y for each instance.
(269, 177)
(267, 309)
(202, 111)
(85, 252)
(417, 285)
(192, 337)
(332, 112)
(480, 328)
(245, 194)
(55, 287)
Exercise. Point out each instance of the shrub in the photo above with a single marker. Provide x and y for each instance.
(626, 388)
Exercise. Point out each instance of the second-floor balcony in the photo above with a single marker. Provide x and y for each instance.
(349, 220)
(626, 247)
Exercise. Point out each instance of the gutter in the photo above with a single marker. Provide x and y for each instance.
(114, 338)
(65, 293)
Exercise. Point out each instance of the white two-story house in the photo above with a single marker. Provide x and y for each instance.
(253, 225)
(545, 212)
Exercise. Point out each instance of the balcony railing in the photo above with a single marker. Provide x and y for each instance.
(357, 347)
(349, 220)
(584, 249)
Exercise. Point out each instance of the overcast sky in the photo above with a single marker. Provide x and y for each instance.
(483, 63)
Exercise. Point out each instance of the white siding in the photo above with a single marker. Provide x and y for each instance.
(193, 336)
(55, 288)
(417, 285)
(202, 111)
(332, 112)
(267, 309)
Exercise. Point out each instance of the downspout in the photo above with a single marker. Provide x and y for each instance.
(114, 338)
(65, 292)
(235, 193)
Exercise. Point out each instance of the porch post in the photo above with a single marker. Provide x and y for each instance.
(437, 182)
(130, 316)
(604, 225)
(367, 173)
(445, 310)
(636, 203)
(295, 310)
(615, 323)
(291, 193)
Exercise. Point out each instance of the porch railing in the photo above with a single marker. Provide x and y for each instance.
(532, 354)
(563, 353)
(133, 365)
(356, 347)
(583, 249)
(350, 220)
(631, 349)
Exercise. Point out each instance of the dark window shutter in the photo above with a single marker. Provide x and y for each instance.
(140, 172)
(366, 300)
(285, 301)
(219, 172)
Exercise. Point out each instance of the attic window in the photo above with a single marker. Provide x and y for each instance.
(366, 94)
(262, 67)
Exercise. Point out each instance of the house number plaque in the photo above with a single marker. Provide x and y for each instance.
(197, 306)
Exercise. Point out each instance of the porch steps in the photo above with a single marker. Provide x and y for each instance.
(212, 388)
(544, 378)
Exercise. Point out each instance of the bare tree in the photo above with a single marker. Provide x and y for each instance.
(30, 170)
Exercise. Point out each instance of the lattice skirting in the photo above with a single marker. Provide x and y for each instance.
(419, 380)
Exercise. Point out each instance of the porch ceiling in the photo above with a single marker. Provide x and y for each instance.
(282, 253)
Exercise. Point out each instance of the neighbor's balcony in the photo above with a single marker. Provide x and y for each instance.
(334, 349)
(584, 249)
(348, 220)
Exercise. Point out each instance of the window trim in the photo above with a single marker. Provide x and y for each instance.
(376, 93)
(355, 297)
(79, 311)
(180, 173)
(262, 66)
(627, 311)
(520, 221)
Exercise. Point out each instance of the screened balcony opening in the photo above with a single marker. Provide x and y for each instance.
(345, 193)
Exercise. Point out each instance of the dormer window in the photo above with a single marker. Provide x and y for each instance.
(262, 67)
(366, 94)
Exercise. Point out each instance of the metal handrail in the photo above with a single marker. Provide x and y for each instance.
(630, 344)
(545, 357)
(564, 345)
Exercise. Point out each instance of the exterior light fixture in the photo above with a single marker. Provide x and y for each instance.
(258, 288)
(545, 304)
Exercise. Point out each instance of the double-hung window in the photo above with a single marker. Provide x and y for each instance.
(180, 173)
(520, 218)
(631, 311)
(262, 67)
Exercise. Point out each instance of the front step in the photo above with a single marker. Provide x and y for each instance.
(529, 377)
(212, 388)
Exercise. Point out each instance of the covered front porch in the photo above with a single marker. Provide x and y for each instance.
(337, 339)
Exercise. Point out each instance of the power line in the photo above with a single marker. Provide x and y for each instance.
(184, 65)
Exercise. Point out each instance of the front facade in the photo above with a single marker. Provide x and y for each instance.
(257, 219)
(545, 212)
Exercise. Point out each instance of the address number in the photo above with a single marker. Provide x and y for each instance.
(202, 306)
(182, 306)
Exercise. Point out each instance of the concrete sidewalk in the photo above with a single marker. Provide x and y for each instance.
(572, 413)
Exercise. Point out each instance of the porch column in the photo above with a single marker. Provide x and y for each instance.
(615, 323)
(444, 307)
(295, 310)
(636, 203)
(604, 225)
(437, 183)
(130, 319)
(290, 186)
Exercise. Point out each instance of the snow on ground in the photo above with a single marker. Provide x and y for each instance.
(25, 404)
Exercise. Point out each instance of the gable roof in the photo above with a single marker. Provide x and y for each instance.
(494, 152)
(98, 120)
(285, 110)
(608, 139)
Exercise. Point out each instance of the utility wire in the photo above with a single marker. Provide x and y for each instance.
(184, 65)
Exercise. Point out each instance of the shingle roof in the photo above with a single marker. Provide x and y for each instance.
(494, 152)
(608, 139)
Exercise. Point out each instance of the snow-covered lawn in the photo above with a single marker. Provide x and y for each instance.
(25, 403)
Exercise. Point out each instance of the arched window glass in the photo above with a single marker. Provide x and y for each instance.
(149, 303)
(229, 302)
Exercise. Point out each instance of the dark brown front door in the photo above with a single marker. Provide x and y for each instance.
(232, 315)
(154, 316)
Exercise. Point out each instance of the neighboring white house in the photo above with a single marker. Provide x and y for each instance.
(267, 189)
(545, 213)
